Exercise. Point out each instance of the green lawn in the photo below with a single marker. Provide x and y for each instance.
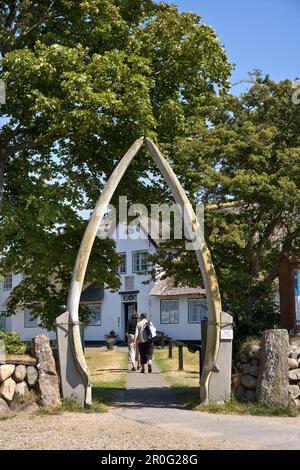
(186, 382)
(186, 387)
(108, 369)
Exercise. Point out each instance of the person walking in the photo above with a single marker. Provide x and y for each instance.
(145, 344)
(133, 350)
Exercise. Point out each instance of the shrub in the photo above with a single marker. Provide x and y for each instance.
(13, 343)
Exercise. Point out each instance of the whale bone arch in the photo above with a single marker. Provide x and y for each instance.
(201, 250)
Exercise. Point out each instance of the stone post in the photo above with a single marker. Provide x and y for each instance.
(48, 381)
(220, 382)
(71, 382)
(273, 378)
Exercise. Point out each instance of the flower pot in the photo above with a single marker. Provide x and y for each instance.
(110, 342)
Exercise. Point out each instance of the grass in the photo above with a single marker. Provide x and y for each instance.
(108, 369)
(254, 409)
(185, 383)
(107, 366)
(186, 387)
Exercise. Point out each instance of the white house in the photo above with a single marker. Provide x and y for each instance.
(177, 311)
(21, 322)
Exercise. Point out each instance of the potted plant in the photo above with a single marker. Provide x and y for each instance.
(111, 339)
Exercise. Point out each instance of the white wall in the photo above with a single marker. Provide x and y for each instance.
(17, 324)
(112, 314)
(4, 294)
(182, 330)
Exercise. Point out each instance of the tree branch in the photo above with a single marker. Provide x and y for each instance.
(32, 28)
(32, 143)
(12, 14)
(12, 30)
(20, 39)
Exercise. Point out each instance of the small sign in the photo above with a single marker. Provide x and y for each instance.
(297, 294)
(227, 334)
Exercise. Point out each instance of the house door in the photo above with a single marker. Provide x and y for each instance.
(129, 308)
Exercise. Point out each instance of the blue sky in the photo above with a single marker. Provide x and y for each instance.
(257, 34)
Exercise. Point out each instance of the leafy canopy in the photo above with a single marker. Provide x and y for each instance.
(244, 165)
(84, 80)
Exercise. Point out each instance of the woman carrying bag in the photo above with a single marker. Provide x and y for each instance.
(144, 334)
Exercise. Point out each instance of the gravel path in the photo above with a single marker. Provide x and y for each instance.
(106, 431)
(126, 429)
(146, 416)
(111, 430)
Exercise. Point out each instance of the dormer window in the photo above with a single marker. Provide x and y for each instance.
(6, 283)
(139, 261)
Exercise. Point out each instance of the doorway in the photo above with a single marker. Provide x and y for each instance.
(129, 308)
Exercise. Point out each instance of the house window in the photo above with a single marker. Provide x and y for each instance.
(197, 310)
(122, 265)
(95, 315)
(129, 282)
(2, 321)
(6, 283)
(30, 322)
(139, 261)
(169, 311)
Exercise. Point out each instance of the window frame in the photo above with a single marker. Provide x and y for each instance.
(3, 287)
(189, 311)
(169, 310)
(125, 264)
(94, 319)
(26, 325)
(133, 263)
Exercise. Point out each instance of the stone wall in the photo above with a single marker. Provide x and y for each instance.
(26, 379)
(18, 379)
(294, 373)
(248, 367)
(247, 364)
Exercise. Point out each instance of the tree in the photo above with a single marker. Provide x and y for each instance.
(244, 164)
(84, 80)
